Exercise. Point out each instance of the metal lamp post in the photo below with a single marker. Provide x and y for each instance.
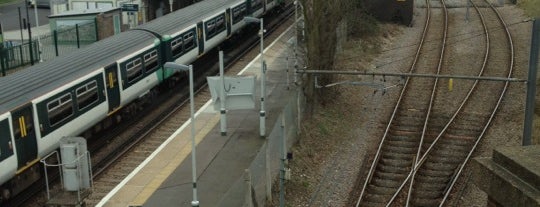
(262, 113)
(37, 33)
(189, 68)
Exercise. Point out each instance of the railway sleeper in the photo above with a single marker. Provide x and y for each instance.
(436, 173)
(402, 143)
(428, 194)
(405, 134)
(406, 127)
(466, 124)
(425, 202)
(393, 176)
(439, 166)
(446, 160)
(449, 147)
(464, 132)
(400, 148)
(381, 190)
(377, 181)
(417, 120)
(377, 198)
(398, 156)
(430, 186)
(457, 140)
(395, 162)
(392, 169)
(372, 204)
(427, 180)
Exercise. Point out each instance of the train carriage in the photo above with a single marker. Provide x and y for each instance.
(94, 87)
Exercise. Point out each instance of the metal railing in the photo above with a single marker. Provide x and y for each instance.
(63, 41)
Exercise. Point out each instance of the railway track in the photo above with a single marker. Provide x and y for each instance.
(122, 150)
(398, 149)
(428, 177)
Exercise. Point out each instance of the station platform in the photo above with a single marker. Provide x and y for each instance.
(165, 178)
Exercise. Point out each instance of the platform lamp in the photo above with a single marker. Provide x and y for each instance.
(262, 113)
(189, 68)
(37, 33)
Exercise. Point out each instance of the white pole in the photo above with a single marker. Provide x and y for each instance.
(195, 202)
(263, 92)
(36, 31)
(222, 97)
(296, 42)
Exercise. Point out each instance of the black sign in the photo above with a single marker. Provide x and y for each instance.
(130, 7)
(1, 36)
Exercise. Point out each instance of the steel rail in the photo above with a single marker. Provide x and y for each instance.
(465, 100)
(503, 93)
(432, 99)
(396, 107)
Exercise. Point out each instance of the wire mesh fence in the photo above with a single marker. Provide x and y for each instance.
(66, 40)
(14, 55)
(251, 189)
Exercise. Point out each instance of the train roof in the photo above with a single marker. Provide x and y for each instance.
(190, 15)
(23, 86)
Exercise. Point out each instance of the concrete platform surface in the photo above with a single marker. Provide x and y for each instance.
(510, 177)
(165, 178)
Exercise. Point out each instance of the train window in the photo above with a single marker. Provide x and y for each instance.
(210, 28)
(87, 95)
(189, 41)
(239, 13)
(176, 46)
(151, 60)
(134, 70)
(220, 24)
(257, 4)
(60, 109)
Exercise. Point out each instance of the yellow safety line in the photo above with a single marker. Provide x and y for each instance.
(114, 111)
(24, 126)
(153, 185)
(27, 166)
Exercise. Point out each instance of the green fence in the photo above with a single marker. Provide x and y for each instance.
(66, 40)
(58, 42)
(14, 56)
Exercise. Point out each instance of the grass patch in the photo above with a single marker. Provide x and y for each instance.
(531, 7)
(4, 2)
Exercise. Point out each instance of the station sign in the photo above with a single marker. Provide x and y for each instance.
(130, 7)
(1, 36)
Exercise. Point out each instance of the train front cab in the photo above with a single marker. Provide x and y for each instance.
(8, 160)
(23, 144)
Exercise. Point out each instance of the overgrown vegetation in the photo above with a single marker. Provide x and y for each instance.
(329, 127)
(2, 2)
(322, 21)
(531, 7)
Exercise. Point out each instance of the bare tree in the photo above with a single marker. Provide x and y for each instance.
(321, 20)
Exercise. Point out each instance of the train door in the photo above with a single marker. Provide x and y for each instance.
(113, 88)
(200, 37)
(6, 147)
(25, 135)
(228, 20)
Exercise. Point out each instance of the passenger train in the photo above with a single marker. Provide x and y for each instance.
(93, 88)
